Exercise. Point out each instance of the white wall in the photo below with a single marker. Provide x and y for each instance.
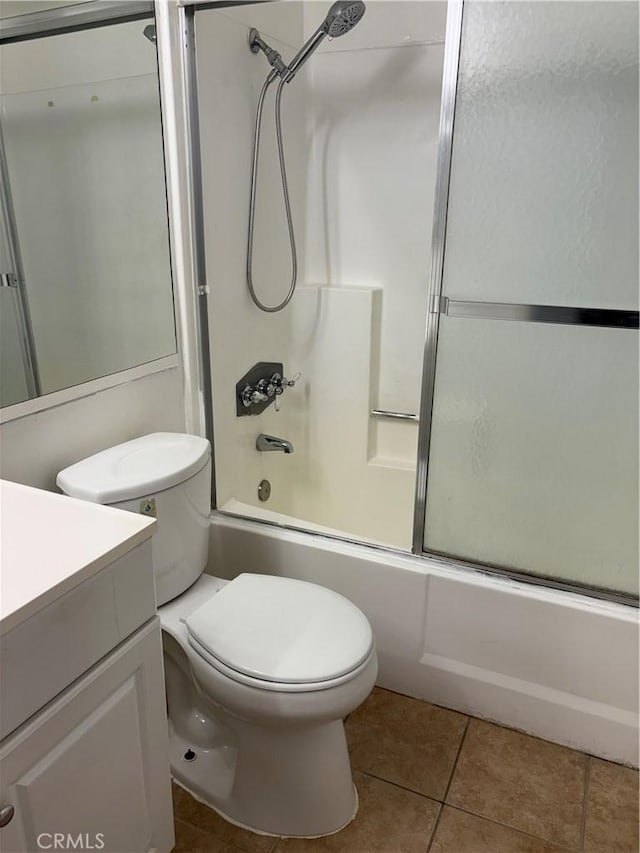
(34, 448)
(360, 124)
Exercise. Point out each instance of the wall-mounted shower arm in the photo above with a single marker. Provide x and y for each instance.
(257, 43)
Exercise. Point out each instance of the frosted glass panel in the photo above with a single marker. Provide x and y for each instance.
(534, 450)
(543, 204)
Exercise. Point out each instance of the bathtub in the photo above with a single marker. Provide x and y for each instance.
(558, 665)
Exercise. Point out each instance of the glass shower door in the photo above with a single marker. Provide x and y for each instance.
(533, 435)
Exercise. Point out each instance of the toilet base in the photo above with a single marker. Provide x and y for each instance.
(277, 819)
(275, 762)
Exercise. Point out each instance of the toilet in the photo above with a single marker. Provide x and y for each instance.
(260, 671)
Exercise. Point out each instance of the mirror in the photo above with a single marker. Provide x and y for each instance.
(84, 247)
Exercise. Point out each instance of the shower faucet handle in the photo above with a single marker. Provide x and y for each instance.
(266, 387)
(281, 382)
(250, 395)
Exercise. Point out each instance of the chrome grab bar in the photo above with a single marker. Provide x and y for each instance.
(400, 416)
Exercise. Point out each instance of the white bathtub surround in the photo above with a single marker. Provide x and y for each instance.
(557, 665)
(336, 476)
(361, 169)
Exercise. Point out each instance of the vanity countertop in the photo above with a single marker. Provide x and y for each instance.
(50, 543)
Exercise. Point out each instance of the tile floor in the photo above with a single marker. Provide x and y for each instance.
(435, 781)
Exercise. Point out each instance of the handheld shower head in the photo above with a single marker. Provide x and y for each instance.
(342, 17)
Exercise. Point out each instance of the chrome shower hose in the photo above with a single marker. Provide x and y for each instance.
(285, 191)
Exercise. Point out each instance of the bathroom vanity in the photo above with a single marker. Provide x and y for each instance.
(84, 750)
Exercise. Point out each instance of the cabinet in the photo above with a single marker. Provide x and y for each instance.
(92, 765)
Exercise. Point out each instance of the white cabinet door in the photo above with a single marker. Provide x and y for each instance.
(93, 765)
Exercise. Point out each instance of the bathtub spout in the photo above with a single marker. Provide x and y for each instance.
(272, 442)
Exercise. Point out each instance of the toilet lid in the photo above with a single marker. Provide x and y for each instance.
(281, 630)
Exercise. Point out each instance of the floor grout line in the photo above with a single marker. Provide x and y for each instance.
(399, 785)
(276, 841)
(435, 829)
(585, 803)
(457, 758)
(556, 844)
(433, 798)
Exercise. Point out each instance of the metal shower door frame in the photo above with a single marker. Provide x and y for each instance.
(453, 36)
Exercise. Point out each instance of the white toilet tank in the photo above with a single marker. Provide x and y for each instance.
(165, 475)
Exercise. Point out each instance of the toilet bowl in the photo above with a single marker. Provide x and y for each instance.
(260, 671)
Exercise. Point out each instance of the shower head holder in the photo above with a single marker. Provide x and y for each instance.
(257, 44)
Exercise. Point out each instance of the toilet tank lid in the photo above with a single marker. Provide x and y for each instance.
(136, 468)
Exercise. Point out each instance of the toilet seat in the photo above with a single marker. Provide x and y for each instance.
(275, 686)
(281, 634)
